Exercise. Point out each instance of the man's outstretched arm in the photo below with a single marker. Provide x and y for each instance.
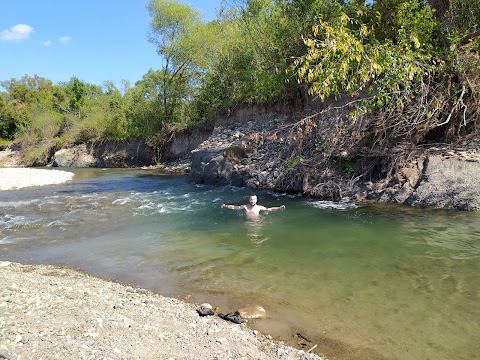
(233, 207)
(276, 208)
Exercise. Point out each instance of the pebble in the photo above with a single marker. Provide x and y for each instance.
(221, 340)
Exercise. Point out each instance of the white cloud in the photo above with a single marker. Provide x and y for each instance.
(47, 43)
(17, 33)
(64, 40)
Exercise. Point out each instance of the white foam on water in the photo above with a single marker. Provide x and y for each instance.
(342, 205)
(150, 206)
(94, 196)
(121, 201)
(18, 203)
(58, 223)
(6, 240)
(184, 208)
(10, 221)
(277, 195)
(161, 210)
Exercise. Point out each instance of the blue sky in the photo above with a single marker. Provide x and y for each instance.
(94, 40)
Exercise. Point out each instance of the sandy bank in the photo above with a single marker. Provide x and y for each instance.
(49, 312)
(17, 178)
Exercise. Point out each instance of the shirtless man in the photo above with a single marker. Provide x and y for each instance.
(252, 210)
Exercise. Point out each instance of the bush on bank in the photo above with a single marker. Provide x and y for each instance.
(411, 68)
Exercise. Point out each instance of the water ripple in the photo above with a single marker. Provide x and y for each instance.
(342, 205)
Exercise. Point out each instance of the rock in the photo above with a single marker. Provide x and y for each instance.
(17, 178)
(448, 183)
(237, 153)
(206, 306)
(253, 312)
(410, 175)
(221, 340)
(77, 156)
(211, 167)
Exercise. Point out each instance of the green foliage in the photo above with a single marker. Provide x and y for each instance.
(7, 123)
(171, 23)
(347, 166)
(388, 55)
(26, 95)
(292, 162)
(463, 17)
(347, 56)
(77, 93)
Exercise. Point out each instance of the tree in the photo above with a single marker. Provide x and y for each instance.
(170, 22)
(347, 55)
(30, 96)
(7, 123)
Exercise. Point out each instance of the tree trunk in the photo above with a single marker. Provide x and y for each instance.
(442, 8)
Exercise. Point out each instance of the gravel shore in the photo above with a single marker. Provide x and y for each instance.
(48, 312)
(17, 178)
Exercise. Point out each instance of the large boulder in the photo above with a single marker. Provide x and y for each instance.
(212, 168)
(76, 156)
(448, 182)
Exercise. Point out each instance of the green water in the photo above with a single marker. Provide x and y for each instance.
(371, 282)
(382, 281)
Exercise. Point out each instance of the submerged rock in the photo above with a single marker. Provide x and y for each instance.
(253, 312)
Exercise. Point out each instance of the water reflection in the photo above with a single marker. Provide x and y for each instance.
(254, 227)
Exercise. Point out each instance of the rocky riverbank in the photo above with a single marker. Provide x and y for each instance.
(287, 152)
(290, 152)
(48, 313)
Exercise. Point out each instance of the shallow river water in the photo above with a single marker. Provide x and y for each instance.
(369, 282)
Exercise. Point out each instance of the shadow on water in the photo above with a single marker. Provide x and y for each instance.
(360, 282)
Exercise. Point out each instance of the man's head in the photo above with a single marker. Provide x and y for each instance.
(252, 200)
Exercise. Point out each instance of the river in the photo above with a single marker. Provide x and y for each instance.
(360, 281)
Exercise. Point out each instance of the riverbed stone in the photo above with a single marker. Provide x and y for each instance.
(253, 312)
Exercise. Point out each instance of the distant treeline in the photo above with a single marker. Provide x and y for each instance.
(412, 65)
